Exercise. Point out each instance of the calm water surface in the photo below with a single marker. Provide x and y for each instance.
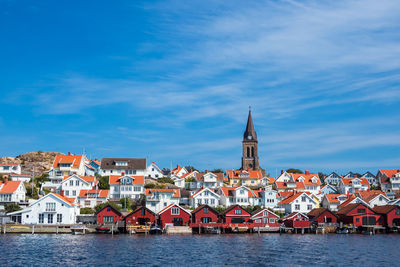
(214, 250)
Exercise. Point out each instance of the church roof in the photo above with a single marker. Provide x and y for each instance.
(250, 129)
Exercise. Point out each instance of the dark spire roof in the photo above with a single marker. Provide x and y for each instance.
(250, 129)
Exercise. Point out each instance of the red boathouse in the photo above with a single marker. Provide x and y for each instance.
(205, 214)
(174, 215)
(390, 215)
(265, 218)
(108, 215)
(236, 214)
(358, 214)
(296, 220)
(140, 216)
(322, 216)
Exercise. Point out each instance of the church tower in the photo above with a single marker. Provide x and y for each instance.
(250, 147)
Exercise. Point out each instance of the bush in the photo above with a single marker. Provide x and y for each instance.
(12, 207)
(126, 202)
(294, 171)
(190, 179)
(220, 209)
(165, 180)
(98, 207)
(87, 211)
(103, 182)
(150, 186)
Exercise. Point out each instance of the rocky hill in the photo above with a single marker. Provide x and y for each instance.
(39, 161)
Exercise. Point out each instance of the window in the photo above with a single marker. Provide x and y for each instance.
(271, 220)
(41, 218)
(265, 213)
(206, 201)
(153, 204)
(175, 211)
(205, 210)
(87, 202)
(206, 193)
(303, 199)
(50, 206)
(152, 169)
(66, 192)
(77, 182)
(361, 210)
(297, 207)
(241, 192)
(357, 219)
(108, 219)
(212, 201)
(71, 182)
(121, 163)
(50, 218)
(73, 192)
(238, 212)
(108, 209)
(397, 212)
(59, 218)
(137, 189)
(142, 212)
(309, 207)
(199, 201)
(205, 220)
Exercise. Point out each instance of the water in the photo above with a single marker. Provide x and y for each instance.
(194, 250)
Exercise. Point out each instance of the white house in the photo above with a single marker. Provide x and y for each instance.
(158, 199)
(91, 198)
(298, 202)
(205, 196)
(389, 180)
(66, 165)
(333, 178)
(239, 195)
(12, 192)
(207, 179)
(50, 209)
(123, 166)
(7, 168)
(374, 198)
(332, 201)
(154, 171)
(351, 185)
(72, 185)
(179, 171)
(269, 197)
(126, 186)
(25, 178)
(370, 178)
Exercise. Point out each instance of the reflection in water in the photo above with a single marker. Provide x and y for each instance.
(194, 250)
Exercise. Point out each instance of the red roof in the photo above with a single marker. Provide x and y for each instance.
(101, 193)
(347, 201)
(228, 191)
(68, 200)
(284, 185)
(389, 172)
(370, 195)
(9, 187)
(176, 192)
(349, 181)
(19, 175)
(291, 198)
(333, 198)
(114, 179)
(240, 174)
(172, 205)
(88, 179)
(307, 178)
(200, 176)
(75, 160)
(9, 164)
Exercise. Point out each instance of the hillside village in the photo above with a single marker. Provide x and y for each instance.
(72, 188)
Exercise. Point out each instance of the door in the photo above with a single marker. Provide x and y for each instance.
(368, 220)
(237, 220)
(177, 221)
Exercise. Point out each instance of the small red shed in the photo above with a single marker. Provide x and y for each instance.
(358, 214)
(140, 216)
(296, 220)
(108, 215)
(236, 214)
(322, 216)
(390, 214)
(265, 218)
(205, 214)
(174, 215)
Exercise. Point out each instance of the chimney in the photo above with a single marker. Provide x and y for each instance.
(178, 166)
(281, 172)
(122, 173)
(62, 192)
(355, 176)
(153, 162)
(5, 179)
(69, 153)
(307, 172)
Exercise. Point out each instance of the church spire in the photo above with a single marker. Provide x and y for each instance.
(250, 133)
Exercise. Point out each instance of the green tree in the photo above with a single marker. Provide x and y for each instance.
(103, 182)
(1, 177)
(125, 202)
(86, 211)
(98, 207)
(220, 209)
(12, 207)
(165, 180)
(292, 170)
(190, 168)
(150, 186)
(217, 171)
(31, 193)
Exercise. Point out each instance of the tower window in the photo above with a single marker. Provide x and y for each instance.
(252, 152)
(248, 152)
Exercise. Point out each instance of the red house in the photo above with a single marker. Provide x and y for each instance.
(174, 215)
(140, 216)
(358, 214)
(322, 216)
(265, 218)
(108, 214)
(390, 214)
(205, 214)
(296, 220)
(236, 214)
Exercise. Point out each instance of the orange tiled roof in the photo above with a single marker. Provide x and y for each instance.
(114, 179)
(349, 181)
(249, 174)
(9, 187)
(228, 191)
(200, 176)
(332, 198)
(66, 199)
(291, 198)
(307, 178)
(176, 192)
(75, 160)
(101, 193)
(389, 172)
(283, 185)
(370, 195)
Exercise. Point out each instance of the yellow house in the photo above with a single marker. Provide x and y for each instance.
(243, 177)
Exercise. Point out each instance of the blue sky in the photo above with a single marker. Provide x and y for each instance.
(172, 81)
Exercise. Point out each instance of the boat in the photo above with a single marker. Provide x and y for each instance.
(78, 230)
(102, 230)
(342, 231)
(155, 230)
(19, 227)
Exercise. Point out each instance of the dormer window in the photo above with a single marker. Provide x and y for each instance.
(121, 163)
